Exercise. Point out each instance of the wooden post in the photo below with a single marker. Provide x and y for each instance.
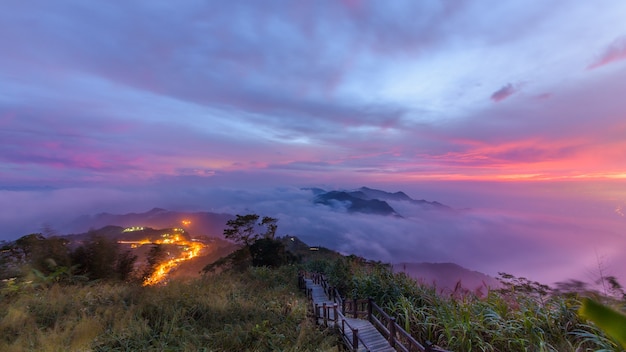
(325, 314)
(392, 332)
(315, 314)
(354, 308)
(369, 308)
(355, 339)
(335, 315)
(343, 307)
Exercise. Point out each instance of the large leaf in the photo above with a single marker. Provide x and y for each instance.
(607, 319)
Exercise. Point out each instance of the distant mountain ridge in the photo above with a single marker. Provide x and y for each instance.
(446, 276)
(200, 223)
(355, 202)
(369, 201)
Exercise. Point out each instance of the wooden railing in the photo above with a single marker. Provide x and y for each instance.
(366, 309)
(349, 334)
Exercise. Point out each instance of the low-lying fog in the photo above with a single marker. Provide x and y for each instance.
(546, 232)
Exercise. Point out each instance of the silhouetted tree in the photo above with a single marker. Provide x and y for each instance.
(44, 254)
(270, 224)
(80, 257)
(243, 229)
(97, 257)
(100, 258)
(125, 265)
(259, 246)
(156, 255)
(29, 243)
(270, 252)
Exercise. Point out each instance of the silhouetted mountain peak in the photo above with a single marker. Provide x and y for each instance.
(369, 200)
(378, 194)
(200, 223)
(354, 203)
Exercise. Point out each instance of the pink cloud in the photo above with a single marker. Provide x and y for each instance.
(615, 52)
(503, 93)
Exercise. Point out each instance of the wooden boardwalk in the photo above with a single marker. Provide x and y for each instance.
(363, 325)
(369, 339)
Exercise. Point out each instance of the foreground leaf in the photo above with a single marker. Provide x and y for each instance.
(609, 320)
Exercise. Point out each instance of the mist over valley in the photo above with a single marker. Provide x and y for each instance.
(389, 226)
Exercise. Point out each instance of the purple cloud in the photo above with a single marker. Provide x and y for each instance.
(503, 93)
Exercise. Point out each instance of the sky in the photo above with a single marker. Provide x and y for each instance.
(512, 107)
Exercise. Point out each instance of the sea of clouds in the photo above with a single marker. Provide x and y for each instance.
(545, 239)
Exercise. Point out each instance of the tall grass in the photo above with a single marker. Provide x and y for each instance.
(523, 316)
(256, 310)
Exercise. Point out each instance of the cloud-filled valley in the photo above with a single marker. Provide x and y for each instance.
(544, 245)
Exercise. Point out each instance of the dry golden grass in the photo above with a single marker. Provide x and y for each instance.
(257, 310)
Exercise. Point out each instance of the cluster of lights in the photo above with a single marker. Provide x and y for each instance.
(168, 240)
(135, 244)
(133, 228)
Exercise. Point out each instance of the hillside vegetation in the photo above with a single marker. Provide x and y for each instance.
(257, 309)
(522, 316)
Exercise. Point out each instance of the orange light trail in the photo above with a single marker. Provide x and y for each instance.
(190, 251)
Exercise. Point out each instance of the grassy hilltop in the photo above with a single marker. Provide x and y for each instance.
(255, 310)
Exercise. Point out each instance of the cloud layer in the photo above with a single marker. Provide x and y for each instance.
(547, 238)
